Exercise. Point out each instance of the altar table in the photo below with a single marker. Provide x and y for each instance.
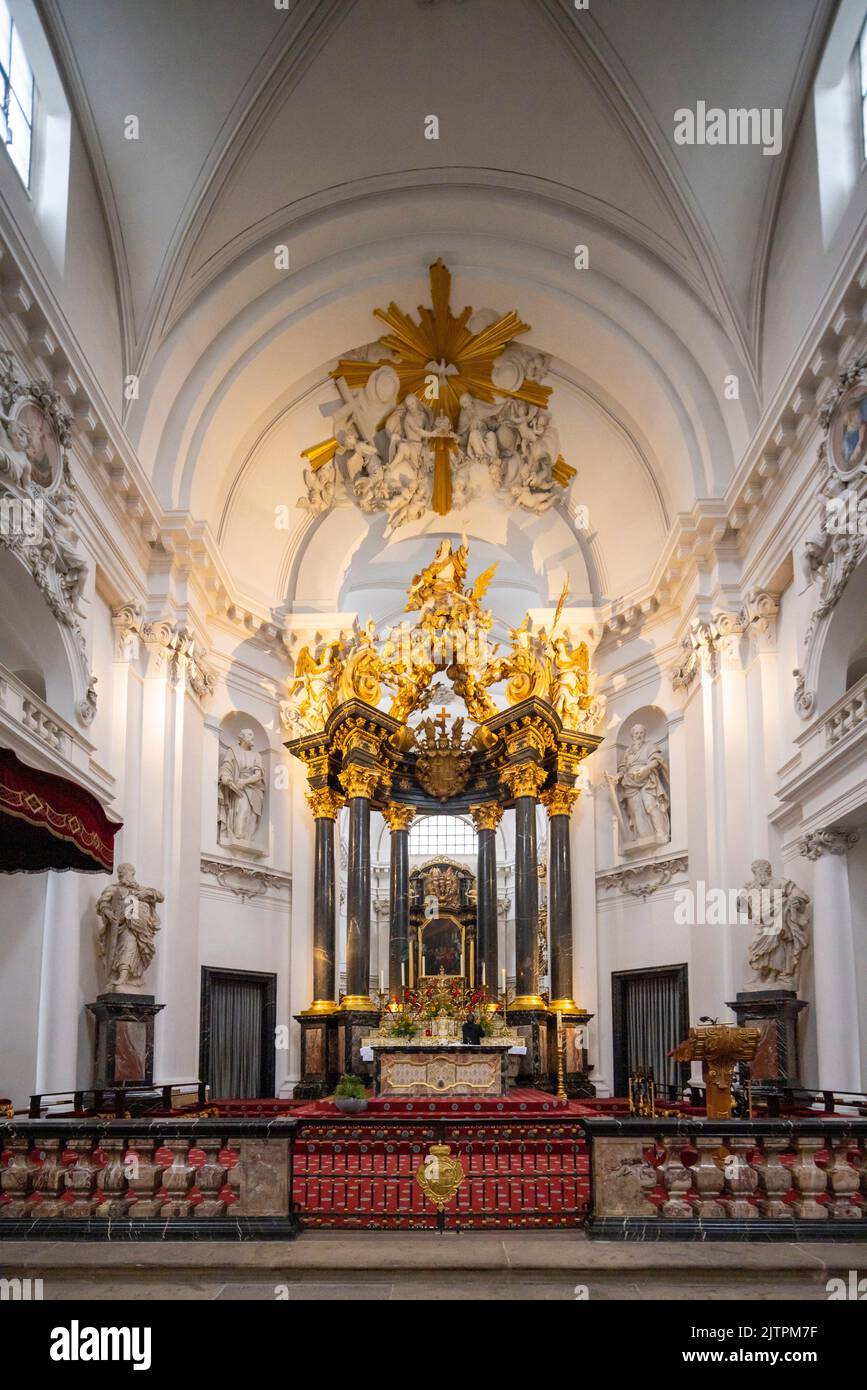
(440, 1068)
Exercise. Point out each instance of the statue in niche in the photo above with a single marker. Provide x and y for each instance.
(241, 792)
(641, 789)
(128, 923)
(781, 914)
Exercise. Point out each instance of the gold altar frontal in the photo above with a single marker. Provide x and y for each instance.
(433, 1068)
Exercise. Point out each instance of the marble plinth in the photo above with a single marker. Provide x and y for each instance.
(124, 1038)
(776, 1065)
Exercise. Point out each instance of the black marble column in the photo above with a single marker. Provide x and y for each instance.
(486, 819)
(399, 819)
(317, 1022)
(358, 906)
(323, 912)
(560, 911)
(526, 906)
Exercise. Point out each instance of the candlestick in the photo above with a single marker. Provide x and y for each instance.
(403, 975)
(380, 982)
(561, 1060)
(503, 973)
(484, 981)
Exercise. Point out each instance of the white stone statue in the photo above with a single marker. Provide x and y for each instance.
(241, 785)
(475, 428)
(128, 923)
(406, 429)
(641, 787)
(782, 914)
(320, 484)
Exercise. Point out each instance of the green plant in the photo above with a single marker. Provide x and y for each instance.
(350, 1088)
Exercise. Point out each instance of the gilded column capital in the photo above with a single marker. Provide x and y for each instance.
(560, 800)
(359, 781)
(525, 780)
(487, 817)
(398, 817)
(324, 803)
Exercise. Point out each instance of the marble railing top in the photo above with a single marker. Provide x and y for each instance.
(689, 1127)
(227, 1127)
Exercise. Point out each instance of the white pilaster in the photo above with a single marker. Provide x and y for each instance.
(835, 983)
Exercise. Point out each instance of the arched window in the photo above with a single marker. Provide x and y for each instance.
(19, 93)
(442, 835)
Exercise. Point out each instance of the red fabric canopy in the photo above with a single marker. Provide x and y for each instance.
(48, 822)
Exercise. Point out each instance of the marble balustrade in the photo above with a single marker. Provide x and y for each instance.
(211, 1177)
(663, 1178)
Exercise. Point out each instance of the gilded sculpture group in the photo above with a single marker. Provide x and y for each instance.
(448, 637)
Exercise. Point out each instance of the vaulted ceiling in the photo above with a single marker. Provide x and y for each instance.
(305, 127)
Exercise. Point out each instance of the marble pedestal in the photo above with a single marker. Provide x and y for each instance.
(352, 1027)
(577, 1072)
(319, 1073)
(533, 1027)
(124, 1038)
(777, 1063)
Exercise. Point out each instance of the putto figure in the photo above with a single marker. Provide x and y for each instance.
(781, 914)
(128, 923)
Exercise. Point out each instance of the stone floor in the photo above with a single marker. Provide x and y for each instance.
(329, 1266)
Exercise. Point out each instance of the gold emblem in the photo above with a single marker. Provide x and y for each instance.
(443, 767)
(439, 1175)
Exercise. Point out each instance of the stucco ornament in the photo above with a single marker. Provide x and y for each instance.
(440, 411)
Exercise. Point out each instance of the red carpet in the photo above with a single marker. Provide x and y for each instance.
(520, 1102)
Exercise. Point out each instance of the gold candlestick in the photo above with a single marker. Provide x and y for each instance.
(561, 1059)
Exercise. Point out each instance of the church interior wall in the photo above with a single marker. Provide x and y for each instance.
(219, 416)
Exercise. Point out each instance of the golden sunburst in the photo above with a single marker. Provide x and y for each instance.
(441, 339)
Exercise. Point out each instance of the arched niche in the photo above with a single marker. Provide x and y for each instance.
(845, 642)
(243, 786)
(33, 645)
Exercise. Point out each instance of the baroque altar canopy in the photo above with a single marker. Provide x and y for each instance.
(450, 638)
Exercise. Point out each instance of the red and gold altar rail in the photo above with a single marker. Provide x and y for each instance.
(682, 1179)
(516, 1174)
(269, 1178)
